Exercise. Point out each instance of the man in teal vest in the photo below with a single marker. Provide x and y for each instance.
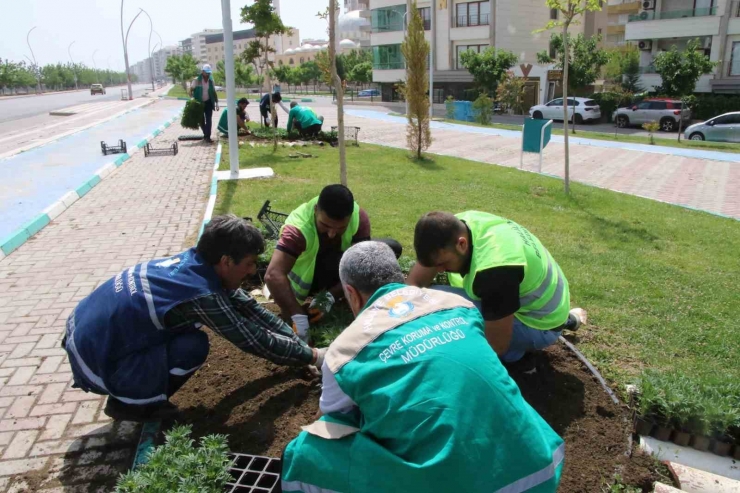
(241, 119)
(414, 400)
(203, 90)
(515, 282)
(304, 119)
(306, 258)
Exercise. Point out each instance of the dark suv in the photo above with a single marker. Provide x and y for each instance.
(664, 111)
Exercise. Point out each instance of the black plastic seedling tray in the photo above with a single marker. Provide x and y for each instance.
(350, 134)
(273, 220)
(254, 474)
(191, 137)
(120, 148)
(163, 151)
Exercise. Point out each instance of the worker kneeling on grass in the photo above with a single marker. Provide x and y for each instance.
(307, 255)
(304, 119)
(137, 337)
(515, 282)
(414, 400)
(241, 119)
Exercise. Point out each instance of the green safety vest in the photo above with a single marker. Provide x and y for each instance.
(198, 89)
(304, 218)
(544, 297)
(436, 409)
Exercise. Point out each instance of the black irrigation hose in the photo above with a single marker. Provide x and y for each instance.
(601, 380)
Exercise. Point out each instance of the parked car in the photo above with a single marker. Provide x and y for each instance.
(219, 88)
(97, 89)
(366, 93)
(585, 110)
(722, 128)
(664, 111)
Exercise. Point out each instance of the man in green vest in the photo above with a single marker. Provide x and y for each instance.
(203, 90)
(414, 400)
(304, 119)
(307, 255)
(517, 285)
(241, 119)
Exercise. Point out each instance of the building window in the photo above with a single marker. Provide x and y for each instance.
(290, 61)
(426, 17)
(301, 60)
(280, 63)
(387, 57)
(388, 19)
(598, 32)
(460, 49)
(553, 14)
(551, 51)
(735, 59)
(472, 14)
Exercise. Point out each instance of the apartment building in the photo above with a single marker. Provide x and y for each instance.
(214, 44)
(461, 25)
(159, 59)
(198, 43)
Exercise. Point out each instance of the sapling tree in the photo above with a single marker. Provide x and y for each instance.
(261, 14)
(415, 50)
(569, 12)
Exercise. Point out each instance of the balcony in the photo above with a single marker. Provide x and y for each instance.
(672, 14)
(471, 20)
(626, 7)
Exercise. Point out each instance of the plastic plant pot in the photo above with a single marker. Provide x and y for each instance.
(720, 448)
(662, 433)
(700, 442)
(643, 426)
(681, 438)
(254, 474)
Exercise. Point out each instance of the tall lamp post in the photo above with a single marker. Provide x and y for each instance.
(161, 46)
(151, 57)
(95, 67)
(73, 63)
(35, 65)
(151, 62)
(124, 38)
(110, 74)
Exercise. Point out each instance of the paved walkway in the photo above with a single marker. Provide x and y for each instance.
(51, 434)
(705, 180)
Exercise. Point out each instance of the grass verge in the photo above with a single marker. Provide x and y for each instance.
(631, 139)
(178, 92)
(659, 281)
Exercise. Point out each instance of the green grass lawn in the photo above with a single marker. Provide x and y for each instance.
(659, 281)
(633, 139)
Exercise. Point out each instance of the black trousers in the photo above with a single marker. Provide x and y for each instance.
(265, 112)
(308, 131)
(208, 107)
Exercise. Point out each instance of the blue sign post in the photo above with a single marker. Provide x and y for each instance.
(535, 137)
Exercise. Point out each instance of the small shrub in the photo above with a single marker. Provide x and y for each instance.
(610, 101)
(179, 466)
(193, 115)
(483, 107)
(450, 108)
(651, 127)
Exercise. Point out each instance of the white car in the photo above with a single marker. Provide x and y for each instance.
(585, 110)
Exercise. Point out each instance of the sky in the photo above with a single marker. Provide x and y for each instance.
(95, 25)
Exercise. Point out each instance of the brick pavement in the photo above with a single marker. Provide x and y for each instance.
(54, 438)
(705, 184)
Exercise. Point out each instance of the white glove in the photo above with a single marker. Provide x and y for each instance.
(300, 326)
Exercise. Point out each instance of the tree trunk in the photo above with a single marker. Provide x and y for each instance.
(273, 120)
(565, 108)
(340, 93)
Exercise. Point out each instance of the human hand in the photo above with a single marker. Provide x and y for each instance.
(320, 306)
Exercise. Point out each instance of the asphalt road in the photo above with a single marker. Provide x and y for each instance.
(24, 107)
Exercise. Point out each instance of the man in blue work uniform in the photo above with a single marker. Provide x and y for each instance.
(137, 337)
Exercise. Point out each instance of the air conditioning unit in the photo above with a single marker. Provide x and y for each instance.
(646, 45)
(648, 5)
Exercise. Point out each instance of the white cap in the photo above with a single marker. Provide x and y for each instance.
(206, 68)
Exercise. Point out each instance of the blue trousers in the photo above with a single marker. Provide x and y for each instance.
(523, 338)
(149, 376)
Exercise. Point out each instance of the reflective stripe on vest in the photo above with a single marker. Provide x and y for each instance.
(539, 477)
(538, 293)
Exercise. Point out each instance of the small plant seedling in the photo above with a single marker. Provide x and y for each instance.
(617, 486)
(450, 108)
(651, 127)
(179, 466)
(321, 301)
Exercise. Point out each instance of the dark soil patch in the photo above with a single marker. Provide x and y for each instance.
(262, 406)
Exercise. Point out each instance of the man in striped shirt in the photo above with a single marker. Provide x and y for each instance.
(137, 337)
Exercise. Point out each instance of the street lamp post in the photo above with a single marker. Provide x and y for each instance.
(151, 62)
(35, 65)
(95, 67)
(110, 74)
(151, 57)
(161, 47)
(125, 49)
(74, 72)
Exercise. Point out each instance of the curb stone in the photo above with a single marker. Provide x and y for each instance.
(11, 243)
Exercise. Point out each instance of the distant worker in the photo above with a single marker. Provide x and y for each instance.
(414, 400)
(203, 90)
(241, 119)
(137, 337)
(517, 285)
(265, 108)
(307, 255)
(304, 119)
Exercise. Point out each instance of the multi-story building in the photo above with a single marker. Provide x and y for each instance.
(198, 42)
(214, 44)
(186, 46)
(461, 25)
(657, 25)
(159, 59)
(355, 24)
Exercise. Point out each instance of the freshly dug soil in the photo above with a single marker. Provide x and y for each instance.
(261, 406)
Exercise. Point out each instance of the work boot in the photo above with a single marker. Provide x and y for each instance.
(120, 411)
(576, 318)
